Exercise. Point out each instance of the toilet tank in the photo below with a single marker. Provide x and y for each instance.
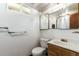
(44, 42)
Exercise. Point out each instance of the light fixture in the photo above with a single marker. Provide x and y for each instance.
(57, 7)
(18, 7)
(26, 10)
(14, 6)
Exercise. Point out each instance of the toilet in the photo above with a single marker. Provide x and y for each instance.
(38, 51)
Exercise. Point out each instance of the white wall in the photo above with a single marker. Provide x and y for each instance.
(18, 45)
(3, 7)
(58, 34)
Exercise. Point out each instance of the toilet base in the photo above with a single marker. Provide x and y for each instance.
(38, 51)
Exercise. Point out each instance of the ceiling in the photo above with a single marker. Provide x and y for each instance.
(40, 7)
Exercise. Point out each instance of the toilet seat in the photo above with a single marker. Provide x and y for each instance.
(38, 51)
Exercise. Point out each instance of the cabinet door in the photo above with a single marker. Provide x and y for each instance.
(66, 52)
(74, 20)
(77, 54)
(59, 51)
(52, 53)
(53, 50)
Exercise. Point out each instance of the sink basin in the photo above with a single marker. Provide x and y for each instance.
(61, 41)
(64, 40)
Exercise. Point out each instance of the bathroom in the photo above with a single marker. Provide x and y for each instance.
(23, 26)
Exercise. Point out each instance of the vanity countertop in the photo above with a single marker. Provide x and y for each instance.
(71, 45)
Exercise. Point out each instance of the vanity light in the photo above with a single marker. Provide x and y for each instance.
(26, 10)
(14, 6)
(57, 7)
(19, 7)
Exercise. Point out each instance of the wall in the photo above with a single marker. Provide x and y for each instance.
(58, 34)
(18, 45)
(3, 7)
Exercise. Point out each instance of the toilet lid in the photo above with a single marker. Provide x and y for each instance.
(38, 50)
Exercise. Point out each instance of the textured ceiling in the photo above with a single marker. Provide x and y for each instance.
(41, 7)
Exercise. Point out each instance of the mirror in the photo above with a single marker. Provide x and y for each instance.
(65, 18)
(62, 22)
(43, 22)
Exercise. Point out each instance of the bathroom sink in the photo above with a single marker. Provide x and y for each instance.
(61, 41)
(64, 40)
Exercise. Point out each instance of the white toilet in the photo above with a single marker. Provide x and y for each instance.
(38, 51)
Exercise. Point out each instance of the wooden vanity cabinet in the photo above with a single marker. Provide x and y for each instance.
(54, 50)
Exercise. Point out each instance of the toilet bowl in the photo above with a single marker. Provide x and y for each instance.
(38, 51)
